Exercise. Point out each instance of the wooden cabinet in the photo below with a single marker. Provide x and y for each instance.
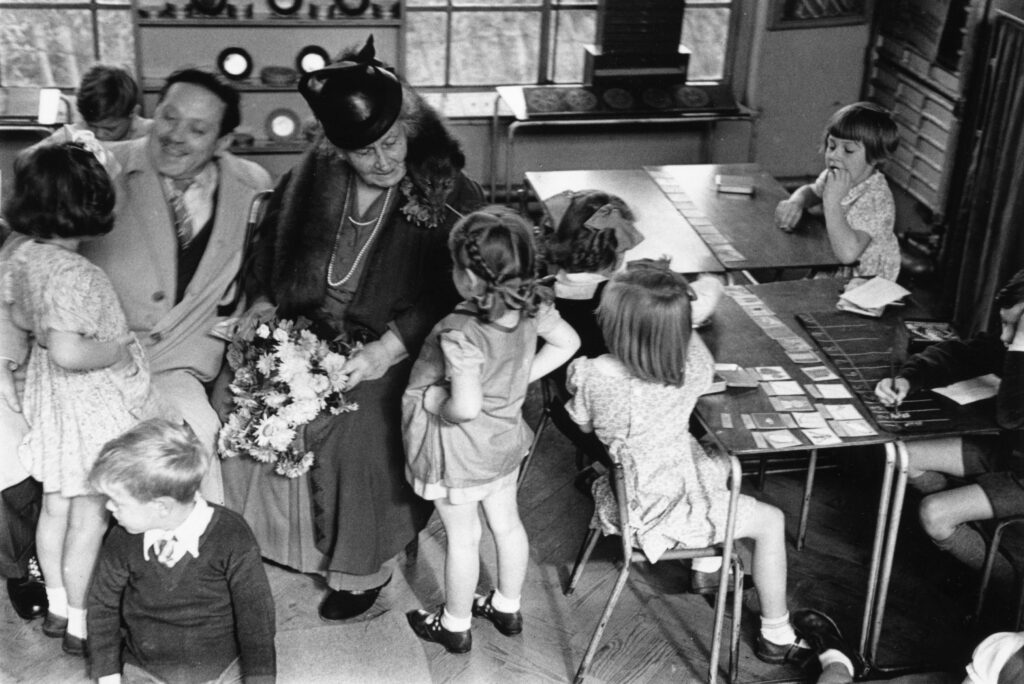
(165, 44)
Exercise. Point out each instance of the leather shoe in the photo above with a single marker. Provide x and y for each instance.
(28, 596)
(822, 633)
(74, 646)
(779, 654)
(508, 624)
(345, 605)
(54, 625)
(429, 628)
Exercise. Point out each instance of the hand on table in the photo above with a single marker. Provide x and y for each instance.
(787, 214)
(892, 392)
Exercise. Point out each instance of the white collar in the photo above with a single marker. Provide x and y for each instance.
(185, 537)
(577, 285)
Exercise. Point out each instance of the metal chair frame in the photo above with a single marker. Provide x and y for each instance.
(630, 555)
(986, 573)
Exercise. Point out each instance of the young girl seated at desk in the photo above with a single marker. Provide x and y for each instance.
(853, 194)
(638, 400)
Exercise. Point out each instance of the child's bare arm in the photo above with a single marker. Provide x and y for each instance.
(789, 211)
(463, 361)
(77, 352)
(847, 243)
(560, 343)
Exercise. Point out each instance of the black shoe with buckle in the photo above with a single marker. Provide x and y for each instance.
(28, 596)
(779, 654)
(429, 628)
(508, 624)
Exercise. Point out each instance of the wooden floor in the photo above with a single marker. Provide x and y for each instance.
(658, 633)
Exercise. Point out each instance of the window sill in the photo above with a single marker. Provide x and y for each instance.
(465, 105)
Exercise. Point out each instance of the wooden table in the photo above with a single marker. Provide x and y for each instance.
(735, 338)
(665, 231)
(748, 221)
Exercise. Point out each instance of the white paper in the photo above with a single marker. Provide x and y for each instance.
(972, 390)
(877, 292)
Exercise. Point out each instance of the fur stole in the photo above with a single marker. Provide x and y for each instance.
(313, 198)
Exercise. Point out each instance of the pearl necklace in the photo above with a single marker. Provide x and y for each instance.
(331, 282)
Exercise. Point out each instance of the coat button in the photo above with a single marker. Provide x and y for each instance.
(159, 296)
(156, 337)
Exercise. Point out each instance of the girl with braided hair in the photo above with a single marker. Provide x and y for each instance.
(462, 417)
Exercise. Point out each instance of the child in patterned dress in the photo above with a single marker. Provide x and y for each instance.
(638, 399)
(462, 419)
(87, 379)
(853, 194)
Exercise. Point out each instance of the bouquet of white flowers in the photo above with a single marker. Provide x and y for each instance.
(284, 378)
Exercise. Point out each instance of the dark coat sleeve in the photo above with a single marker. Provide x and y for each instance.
(104, 605)
(952, 361)
(253, 605)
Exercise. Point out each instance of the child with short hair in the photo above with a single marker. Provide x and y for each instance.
(462, 420)
(181, 578)
(108, 104)
(858, 206)
(638, 399)
(87, 378)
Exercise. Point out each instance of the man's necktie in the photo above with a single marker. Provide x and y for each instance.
(182, 220)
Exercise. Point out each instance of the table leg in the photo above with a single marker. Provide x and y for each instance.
(806, 505)
(884, 497)
(896, 511)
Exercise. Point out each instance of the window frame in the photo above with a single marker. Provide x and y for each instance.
(549, 11)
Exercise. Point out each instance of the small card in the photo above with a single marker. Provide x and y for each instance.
(740, 377)
(766, 321)
(853, 428)
(841, 411)
(794, 344)
(778, 331)
(782, 439)
(777, 387)
(747, 421)
(714, 238)
(741, 296)
(771, 372)
(728, 253)
(727, 421)
(803, 357)
(810, 420)
(757, 309)
(772, 421)
(759, 441)
(819, 373)
(833, 391)
(821, 436)
(798, 403)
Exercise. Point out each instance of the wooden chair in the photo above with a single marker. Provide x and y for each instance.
(1016, 562)
(630, 555)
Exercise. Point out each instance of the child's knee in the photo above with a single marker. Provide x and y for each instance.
(934, 515)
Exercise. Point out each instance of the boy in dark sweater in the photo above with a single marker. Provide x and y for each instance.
(993, 465)
(182, 576)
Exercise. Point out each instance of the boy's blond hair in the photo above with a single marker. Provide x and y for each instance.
(153, 459)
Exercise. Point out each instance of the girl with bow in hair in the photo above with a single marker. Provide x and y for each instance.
(462, 416)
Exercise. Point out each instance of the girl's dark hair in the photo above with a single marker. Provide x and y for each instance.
(868, 124)
(577, 249)
(106, 92)
(60, 190)
(495, 244)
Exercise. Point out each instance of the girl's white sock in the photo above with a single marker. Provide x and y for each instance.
(76, 622)
(455, 624)
(778, 630)
(706, 564)
(503, 604)
(57, 600)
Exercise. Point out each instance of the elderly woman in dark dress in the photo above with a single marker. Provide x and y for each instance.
(354, 239)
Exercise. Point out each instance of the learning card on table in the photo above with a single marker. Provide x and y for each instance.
(852, 428)
(803, 357)
(821, 436)
(741, 377)
(833, 391)
(727, 421)
(757, 309)
(819, 373)
(728, 253)
(810, 420)
(782, 439)
(772, 421)
(794, 344)
(777, 332)
(771, 372)
(797, 403)
(714, 238)
(783, 387)
(747, 421)
(841, 411)
(765, 321)
(759, 441)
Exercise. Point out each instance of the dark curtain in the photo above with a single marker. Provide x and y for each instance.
(984, 246)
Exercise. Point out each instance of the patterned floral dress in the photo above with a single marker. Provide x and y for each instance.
(71, 414)
(678, 494)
